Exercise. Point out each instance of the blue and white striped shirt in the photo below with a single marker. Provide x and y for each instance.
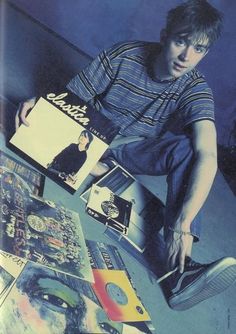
(119, 83)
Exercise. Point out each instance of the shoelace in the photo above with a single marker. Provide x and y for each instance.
(193, 264)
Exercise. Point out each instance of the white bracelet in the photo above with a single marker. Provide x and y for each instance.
(179, 231)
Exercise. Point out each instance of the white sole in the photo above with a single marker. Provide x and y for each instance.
(214, 280)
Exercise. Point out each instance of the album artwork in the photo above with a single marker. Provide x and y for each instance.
(10, 268)
(33, 178)
(106, 256)
(109, 208)
(116, 295)
(57, 303)
(147, 210)
(40, 230)
(65, 139)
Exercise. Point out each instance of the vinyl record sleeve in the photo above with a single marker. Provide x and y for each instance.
(40, 230)
(109, 208)
(65, 139)
(117, 296)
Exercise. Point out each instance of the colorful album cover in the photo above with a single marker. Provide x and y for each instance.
(57, 303)
(33, 178)
(147, 209)
(116, 295)
(40, 230)
(109, 208)
(106, 256)
(65, 139)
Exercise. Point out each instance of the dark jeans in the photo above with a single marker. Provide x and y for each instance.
(170, 155)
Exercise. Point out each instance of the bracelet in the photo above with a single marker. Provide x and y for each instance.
(179, 231)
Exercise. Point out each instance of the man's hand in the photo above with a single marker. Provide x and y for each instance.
(177, 247)
(23, 111)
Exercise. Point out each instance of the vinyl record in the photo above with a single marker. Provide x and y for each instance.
(117, 296)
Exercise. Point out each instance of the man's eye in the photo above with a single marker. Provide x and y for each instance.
(200, 49)
(180, 42)
(55, 300)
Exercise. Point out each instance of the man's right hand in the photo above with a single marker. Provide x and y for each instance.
(23, 111)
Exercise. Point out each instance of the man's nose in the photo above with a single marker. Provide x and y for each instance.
(185, 54)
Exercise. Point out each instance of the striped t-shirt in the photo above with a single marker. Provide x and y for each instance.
(120, 83)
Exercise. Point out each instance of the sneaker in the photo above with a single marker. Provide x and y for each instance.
(199, 282)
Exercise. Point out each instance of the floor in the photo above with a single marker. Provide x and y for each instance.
(216, 315)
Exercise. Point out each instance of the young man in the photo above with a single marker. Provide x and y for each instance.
(153, 91)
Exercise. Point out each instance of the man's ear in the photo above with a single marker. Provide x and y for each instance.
(163, 36)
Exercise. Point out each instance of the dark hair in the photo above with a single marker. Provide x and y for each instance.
(197, 18)
(90, 137)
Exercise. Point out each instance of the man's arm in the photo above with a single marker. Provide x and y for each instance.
(199, 185)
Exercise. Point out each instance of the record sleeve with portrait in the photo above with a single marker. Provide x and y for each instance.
(65, 138)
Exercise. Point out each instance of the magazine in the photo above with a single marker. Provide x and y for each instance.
(147, 210)
(65, 139)
(33, 178)
(42, 231)
(109, 209)
(61, 303)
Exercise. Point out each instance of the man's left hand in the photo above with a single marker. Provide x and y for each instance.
(177, 246)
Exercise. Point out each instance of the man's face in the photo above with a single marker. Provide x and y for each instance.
(182, 53)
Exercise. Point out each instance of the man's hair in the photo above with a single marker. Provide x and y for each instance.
(197, 18)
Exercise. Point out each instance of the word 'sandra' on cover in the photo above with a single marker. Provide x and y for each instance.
(65, 139)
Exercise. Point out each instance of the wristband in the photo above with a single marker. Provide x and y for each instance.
(179, 231)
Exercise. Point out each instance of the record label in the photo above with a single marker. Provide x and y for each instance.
(116, 293)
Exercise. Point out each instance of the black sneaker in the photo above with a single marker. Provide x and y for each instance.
(199, 282)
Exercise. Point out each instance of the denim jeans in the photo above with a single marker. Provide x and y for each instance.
(170, 155)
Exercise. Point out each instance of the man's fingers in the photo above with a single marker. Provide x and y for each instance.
(25, 108)
(171, 259)
(182, 255)
(22, 112)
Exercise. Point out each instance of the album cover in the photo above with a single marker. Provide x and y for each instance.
(147, 210)
(116, 295)
(65, 139)
(57, 303)
(33, 178)
(106, 256)
(109, 208)
(10, 268)
(41, 231)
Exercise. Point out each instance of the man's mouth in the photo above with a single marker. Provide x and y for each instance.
(179, 67)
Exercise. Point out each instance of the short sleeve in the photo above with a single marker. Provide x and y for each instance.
(94, 79)
(196, 103)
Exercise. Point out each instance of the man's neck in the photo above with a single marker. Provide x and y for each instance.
(160, 70)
